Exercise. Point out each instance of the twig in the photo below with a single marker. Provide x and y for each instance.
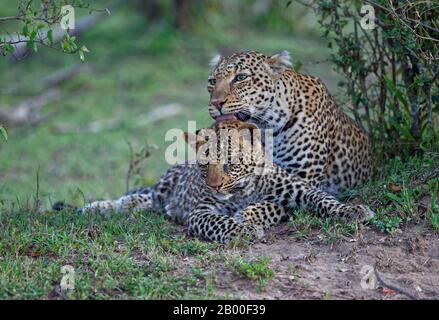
(27, 112)
(136, 160)
(394, 287)
(20, 44)
(37, 192)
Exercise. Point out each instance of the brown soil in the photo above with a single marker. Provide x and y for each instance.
(406, 262)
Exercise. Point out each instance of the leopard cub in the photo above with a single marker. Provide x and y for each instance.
(239, 195)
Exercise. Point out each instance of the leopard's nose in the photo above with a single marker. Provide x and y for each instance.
(217, 103)
(215, 184)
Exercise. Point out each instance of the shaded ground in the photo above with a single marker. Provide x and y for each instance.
(307, 270)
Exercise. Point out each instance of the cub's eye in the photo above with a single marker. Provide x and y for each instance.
(240, 77)
(212, 81)
(226, 168)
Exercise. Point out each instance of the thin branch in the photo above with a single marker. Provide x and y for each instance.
(9, 18)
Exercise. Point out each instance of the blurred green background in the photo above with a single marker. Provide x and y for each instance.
(145, 74)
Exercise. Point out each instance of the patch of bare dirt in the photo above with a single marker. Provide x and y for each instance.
(407, 263)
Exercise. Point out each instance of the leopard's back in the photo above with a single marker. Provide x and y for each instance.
(319, 142)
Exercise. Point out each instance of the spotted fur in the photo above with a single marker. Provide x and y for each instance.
(223, 201)
(312, 138)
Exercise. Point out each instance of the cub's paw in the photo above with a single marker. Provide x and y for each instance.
(359, 214)
(253, 233)
(367, 212)
(354, 214)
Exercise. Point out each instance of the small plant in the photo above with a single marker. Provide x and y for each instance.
(303, 223)
(186, 248)
(386, 222)
(256, 269)
(405, 200)
(136, 160)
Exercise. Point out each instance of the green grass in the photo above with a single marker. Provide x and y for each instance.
(414, 201)
(255, 269)
(403, 193)
(113, 257)
(385, 221)
(310, 227)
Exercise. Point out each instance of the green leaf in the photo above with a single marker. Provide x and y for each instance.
(25, 30)
(4, 133)
(398, 94)
(33, 34)
(50, 36)
(81, 55)
(393, 197)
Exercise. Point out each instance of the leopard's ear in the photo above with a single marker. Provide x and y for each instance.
(195, 141)
(215, 61)
(277, 63)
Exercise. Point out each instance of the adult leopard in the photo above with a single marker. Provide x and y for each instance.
(312, 137)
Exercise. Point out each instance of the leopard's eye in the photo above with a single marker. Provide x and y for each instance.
(212, 81)
(226, 168)
(240, 77)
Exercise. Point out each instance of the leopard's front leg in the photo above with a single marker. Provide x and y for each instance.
(210, 226)
(291, 191)
(328, 206)
(263, 214)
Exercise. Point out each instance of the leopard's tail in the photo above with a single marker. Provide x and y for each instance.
(140, 199)
(61, 205)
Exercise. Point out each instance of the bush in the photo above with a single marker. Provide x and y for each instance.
(389, 57)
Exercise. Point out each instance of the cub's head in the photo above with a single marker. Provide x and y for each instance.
(243, 84)
(226, 153)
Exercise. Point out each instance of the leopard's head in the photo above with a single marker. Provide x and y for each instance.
(227, 153)
(244, 84)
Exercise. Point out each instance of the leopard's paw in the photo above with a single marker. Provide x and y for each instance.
(354, 213)
(368, 213)
(255, 233)
(360, 214)
(260, 234)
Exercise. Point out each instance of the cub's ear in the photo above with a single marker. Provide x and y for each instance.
(194, 140)
(215, 61)
(277, 64)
